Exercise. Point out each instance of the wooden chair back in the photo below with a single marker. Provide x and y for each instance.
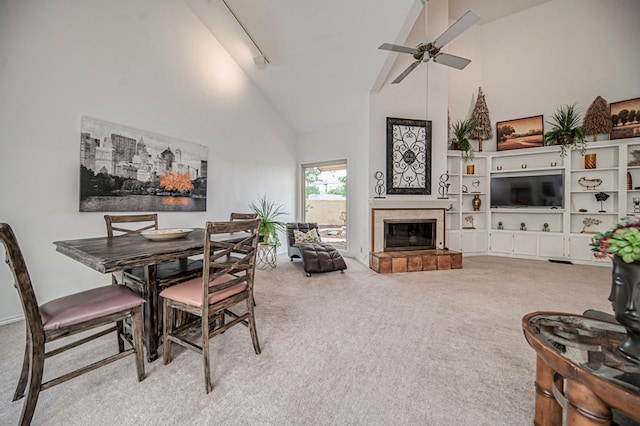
(242, 216)
(22, 282)
(150, 222)
(242, 252)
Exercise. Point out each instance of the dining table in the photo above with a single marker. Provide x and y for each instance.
(125, 252)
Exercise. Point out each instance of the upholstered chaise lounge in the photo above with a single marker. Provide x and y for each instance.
(316, 256)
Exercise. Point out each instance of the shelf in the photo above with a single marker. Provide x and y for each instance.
(595, 213)
(593, 191)
(599, 169)
(472, 212)
(528, 169)
(526, 210)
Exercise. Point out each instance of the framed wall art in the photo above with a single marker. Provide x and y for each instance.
(525, 132)
(625, 116)
(126, 169)
(408, 156)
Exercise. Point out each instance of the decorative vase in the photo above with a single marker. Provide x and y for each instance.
(629, 181)
(590, 161)
(471, 169)
(476, 202)
(624, 288)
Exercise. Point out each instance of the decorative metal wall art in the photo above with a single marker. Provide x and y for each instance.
(408, 156)
(379, 176)
(443, 186)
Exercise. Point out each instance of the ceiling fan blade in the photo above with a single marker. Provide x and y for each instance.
(397, 48)
(406, 72)
(465, 21)
(452, 60)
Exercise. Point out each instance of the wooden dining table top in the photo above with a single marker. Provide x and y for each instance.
(108, 254)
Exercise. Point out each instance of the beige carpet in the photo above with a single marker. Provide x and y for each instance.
(419, 348)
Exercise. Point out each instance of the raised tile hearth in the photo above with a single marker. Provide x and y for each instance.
(415, 260)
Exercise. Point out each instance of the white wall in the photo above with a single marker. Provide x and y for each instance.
(350, 142)
(560, 52)
(148, 64)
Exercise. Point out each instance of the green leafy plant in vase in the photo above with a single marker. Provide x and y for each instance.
(566, 130)
(269, 211)
(461, 130)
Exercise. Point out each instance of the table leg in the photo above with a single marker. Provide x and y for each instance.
(548, 411)
(584, 408)
(150, 291)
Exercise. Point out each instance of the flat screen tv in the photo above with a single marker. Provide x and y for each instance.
(534, 191)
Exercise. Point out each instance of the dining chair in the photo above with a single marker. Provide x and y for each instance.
(210, 298)
(168, 272)
(234, 217)
(64, 317)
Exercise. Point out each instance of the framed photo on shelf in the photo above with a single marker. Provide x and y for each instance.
(408, 156)
(625, 116)
(525, 132)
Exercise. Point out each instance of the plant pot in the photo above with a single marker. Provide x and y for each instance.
(624, 288)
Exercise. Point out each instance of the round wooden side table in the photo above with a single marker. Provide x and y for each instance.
(579, 370)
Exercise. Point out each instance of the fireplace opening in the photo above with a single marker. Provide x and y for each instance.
(413, 234)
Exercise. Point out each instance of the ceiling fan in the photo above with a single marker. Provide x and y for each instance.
(432, 48)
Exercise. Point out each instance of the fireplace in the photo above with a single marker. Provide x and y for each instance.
(416, 234)
(434, 218)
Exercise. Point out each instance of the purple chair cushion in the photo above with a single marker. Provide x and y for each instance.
(87, 305)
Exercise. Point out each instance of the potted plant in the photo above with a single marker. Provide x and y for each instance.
(500, 226)
(461, 130)
(268, 211)
(523, 226)
(566, 130)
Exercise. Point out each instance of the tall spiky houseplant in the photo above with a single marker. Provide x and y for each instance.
(461, 130)
(566, 130)
(269, 211)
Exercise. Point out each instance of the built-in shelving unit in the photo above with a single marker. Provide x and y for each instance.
(594, 198)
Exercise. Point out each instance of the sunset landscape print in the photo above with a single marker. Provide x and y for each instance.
(520, 133)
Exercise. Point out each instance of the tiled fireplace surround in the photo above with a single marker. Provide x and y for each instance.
(414, 260)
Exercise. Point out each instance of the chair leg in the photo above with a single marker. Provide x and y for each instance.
(205, 354)
(119, 333)
(138, 328)
(167, 328)
(35, 383)
(252, 327)
(24, 373)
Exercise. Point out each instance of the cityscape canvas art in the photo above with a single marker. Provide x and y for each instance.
(126, 169)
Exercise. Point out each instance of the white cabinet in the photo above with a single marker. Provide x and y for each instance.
(473, 242)
(551, 245)
(527, 244)
(593, 199)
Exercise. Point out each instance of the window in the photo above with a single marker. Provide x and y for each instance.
(325, 200)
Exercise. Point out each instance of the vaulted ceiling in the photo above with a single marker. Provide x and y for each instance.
(322, 55)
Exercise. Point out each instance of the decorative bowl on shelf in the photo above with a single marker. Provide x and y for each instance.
(166, 234)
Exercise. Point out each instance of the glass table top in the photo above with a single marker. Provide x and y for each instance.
(589, 343)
